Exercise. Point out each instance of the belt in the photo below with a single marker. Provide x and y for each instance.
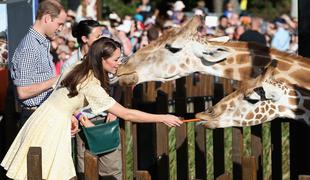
(30, 107)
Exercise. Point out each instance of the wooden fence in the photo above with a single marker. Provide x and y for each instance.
(188, 96)
(185, 97)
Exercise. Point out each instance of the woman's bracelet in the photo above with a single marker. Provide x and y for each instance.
(78, 116)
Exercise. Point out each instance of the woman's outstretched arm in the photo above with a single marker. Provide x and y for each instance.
(143, 117)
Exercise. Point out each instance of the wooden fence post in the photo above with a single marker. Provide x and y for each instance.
(182, 152)
(249, 168)
(276, 151)
(218, 136)
(237, 151)
(225, 176)
(304, 177)
(91, 166)
(143, 175)
(200, 152)
(257, 149)
(162, 147)
(34, 163)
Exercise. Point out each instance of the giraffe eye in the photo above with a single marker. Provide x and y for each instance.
(252, 101)
(172, 49)
(221, 50)
(252, 97)
(261, 92)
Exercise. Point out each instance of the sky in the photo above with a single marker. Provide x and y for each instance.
(3, 17)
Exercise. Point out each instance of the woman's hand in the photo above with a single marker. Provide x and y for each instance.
(171, 120)
(84, 121)
(74, 126)
(111, 117)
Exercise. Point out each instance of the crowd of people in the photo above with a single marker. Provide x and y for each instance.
(146, 25)
(76, 48)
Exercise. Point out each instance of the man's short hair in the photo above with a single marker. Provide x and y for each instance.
(52, 7)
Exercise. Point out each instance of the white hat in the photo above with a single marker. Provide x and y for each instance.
(114, 16)
(178, 6)
(198, 12)
(123, 27)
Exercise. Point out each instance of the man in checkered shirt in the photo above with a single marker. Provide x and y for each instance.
(32, 69)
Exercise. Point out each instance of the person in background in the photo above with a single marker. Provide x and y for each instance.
(120, 34)
(86, 10)
(63, 53)
(176, 14)
(238, 32)
(200, 8)
(281, 39)
(32, 69)
(294, 43)
(144, 8)
(49, 126)
(86, 32)
(253, 34)
(223, 24)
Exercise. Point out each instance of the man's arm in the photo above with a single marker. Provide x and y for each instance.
(25, 92)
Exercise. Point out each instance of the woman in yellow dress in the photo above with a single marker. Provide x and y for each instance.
(49, 127)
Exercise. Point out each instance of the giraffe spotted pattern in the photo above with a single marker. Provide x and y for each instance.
(257, 101)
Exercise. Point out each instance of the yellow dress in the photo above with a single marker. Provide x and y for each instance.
(49, 128)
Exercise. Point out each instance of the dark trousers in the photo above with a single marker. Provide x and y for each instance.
(24, 115)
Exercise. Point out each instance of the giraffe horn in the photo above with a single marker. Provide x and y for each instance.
(192, 25)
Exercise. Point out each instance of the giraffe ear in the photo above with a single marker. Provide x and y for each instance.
(220, 39)
(272, 92)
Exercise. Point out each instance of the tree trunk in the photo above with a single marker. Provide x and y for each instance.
(294, 8)
(218, 6)
(236, 6)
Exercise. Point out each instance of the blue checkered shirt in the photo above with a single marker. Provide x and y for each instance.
(32, 63)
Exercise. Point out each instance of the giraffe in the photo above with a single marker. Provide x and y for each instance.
(3, 54)
(182, 51)
(259, 100)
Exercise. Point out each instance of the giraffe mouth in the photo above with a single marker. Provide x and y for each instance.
(128, 79)
(127, 75)
(208, 119)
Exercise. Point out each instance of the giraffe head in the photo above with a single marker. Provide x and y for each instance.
(260, 100)
(178, 52)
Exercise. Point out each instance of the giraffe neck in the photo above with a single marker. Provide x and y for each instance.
(250, 60)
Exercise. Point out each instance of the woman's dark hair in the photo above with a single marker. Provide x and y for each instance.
(92, 62)
(83, 28)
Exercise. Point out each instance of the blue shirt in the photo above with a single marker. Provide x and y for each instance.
(32, 63)
(281, 39)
